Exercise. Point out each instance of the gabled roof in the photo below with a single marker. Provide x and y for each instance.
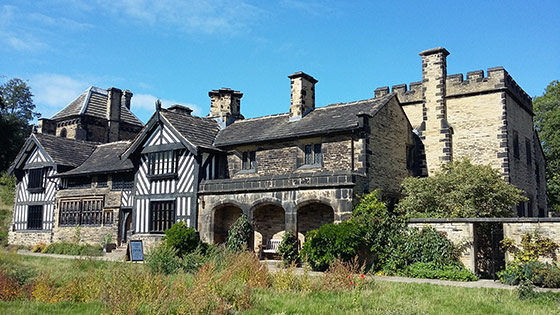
(93, 102)
(105, 159)
(199, 131)
(322, 120)
(193, 132)
(62, 151)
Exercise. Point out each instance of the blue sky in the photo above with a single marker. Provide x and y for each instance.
(179, 50)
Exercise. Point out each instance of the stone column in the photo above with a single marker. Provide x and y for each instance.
(436, 133)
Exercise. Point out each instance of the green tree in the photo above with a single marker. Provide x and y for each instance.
(239, 234)
(16, 112)
(547, 123)
(460, 190)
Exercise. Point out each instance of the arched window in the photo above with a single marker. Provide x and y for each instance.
(63, 133)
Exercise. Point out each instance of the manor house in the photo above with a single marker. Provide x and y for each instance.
(95, 165)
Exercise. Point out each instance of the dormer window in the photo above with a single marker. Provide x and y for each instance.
(36, 180)
(313, 155)
(162, 165)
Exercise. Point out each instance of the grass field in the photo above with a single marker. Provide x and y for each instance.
(379, 297)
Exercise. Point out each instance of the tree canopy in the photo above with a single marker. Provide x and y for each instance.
(459, 190)
(547, 123)
(16, 112)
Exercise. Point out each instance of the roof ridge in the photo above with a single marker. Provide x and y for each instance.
(67, 139)
(114, 142)
(189, 116)
(262, 117)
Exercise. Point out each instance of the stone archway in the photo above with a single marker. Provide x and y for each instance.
(311, 216)
(224, 217)
(269, 222)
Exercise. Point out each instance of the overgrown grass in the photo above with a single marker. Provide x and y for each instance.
(5, 214)
(239, 285)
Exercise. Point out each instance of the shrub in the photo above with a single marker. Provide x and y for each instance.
(459, 190)
(424, 245)
(344, 276)
(539, 274)
(65, 248)
(382, 228)
(288, 249)
(239, 234)
(38, 248)
(532, 247)
(7, 188)
(183, 238)
(433, 270)
(331, 241)
(163, 259)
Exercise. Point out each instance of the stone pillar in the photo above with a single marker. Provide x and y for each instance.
(303, 95)
(225, 106)
(436, 133)
(114, 96)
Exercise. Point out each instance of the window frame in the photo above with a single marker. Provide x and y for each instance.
(516, 144)
(161, 225)
(161, 167)
(82, 212)
(36, 182)
(528, 151)
(313, 155)
(37, 219)
(248, 161)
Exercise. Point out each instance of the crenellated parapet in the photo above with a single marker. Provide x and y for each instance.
(497, 79)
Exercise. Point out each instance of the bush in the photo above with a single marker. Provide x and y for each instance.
(288, 249)
(532, 247)
(7, 188)
(38, 248)
(537, 273)
(331, 241)
(382, 229)
(163, 259)
(183, 238)
(433, 270)
(459, 190)
(65, 248)
(424, 245)
(239, 234)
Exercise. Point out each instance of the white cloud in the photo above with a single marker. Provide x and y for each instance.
(55, 90)
(209, 16)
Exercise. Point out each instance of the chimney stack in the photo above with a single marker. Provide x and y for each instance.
(126, 96)
(225, 106)
(303, 95)
(114, 96)
(180, 109)
(436, 133)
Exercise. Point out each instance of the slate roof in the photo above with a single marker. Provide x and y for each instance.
(64, 151)
(93, 102)
(199, 131)
(322, 120)
(104, 159)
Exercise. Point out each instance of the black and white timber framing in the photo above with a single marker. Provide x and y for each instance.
(169, 169)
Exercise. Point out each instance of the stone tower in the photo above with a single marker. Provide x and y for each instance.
(435, 131)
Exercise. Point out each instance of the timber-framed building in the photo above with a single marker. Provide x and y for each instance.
(287, 172)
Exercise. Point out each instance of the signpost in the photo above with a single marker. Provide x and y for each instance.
(136, 250)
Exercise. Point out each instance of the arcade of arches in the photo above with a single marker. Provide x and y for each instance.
(269, 221)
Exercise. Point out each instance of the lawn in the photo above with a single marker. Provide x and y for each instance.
(277, 297)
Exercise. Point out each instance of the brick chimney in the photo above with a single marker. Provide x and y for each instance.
(225, 106)
(303, 95)
(114, 96)
(436, 133)
(125, 100)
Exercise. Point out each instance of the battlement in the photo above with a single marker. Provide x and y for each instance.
(497, 79)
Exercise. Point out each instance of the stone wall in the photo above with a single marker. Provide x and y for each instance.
(477, 121)
(280, 158)
(390, 136)
(25, 238)
(460, 234)
(516, 230)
